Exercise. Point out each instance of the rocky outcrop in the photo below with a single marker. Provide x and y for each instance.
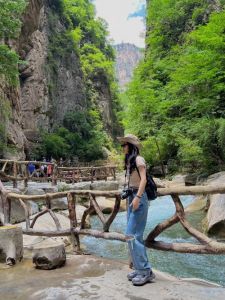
(17, 211)
(127, 58)
(216, 211)
(51, 80)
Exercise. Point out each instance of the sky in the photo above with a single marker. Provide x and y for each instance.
(124, 18)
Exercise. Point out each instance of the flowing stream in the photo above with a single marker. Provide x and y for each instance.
(208, 267)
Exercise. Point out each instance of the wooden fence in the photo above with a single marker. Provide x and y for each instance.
(15, 171)
(203, 245)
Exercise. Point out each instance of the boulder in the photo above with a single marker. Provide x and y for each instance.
(178, 180)
(217, 178)
(18, 213)
(39, 185)
(80, 211)
(160, 183)
(107, 204)
(105, 185)
(62, 186)
(34, 191)
(51, 189)
(49, 255)
(191, 179)
(81, 186)
(11, 244)
(13, 190)
(216, 211)
(60, 204)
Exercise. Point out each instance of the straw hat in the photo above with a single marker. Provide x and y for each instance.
(130, 138)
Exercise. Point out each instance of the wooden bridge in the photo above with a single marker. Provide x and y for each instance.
(203, 245)
(15, 171)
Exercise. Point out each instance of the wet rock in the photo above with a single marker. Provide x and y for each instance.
(11, 244)
(49, 255)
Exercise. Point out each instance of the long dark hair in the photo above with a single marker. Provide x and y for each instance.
(130, 158)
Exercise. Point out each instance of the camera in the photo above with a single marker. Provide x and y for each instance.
(126, 193)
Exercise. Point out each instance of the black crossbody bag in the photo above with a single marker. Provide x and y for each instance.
(150, 188)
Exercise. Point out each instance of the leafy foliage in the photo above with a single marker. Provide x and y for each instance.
(178, 93)
(10, 13)
(81, 136)
(83, 133)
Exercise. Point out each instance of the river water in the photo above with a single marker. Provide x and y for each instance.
(208, 267)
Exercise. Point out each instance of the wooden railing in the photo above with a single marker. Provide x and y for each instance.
(72, 174)
(204, 245)
(15, 171)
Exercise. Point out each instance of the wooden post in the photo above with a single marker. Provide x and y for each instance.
(73, 221)
(114, 173)
(48, 201)
(92, 174)
(73, 177)
(27, 215)
(26, 176)
(2, 217)
(15, 174)
(54, 174)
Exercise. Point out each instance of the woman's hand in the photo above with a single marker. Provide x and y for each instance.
(135, 203)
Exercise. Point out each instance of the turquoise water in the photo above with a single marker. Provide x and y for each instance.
(208, 267)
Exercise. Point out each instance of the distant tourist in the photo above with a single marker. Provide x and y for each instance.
(61, 162)
(31, 168)
(137, 203)
(44, 167)
(49, 170)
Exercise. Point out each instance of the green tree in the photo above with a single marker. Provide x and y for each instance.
(177, 93)
(10, 24)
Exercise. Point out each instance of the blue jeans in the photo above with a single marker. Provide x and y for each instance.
(136, 222)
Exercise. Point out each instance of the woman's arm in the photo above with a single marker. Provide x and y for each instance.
(141, 189)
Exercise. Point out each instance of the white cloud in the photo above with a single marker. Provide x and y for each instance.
(122, 28)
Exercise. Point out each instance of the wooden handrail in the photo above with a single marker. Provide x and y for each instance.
(57, 173)
(194, 190)
(205, 244)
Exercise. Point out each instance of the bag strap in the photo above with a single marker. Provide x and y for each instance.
(137, 170)
(128, 184)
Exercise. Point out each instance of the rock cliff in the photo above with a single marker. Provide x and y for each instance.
(127, 58)
(51, 80)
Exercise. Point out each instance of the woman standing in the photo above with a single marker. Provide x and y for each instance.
(137, 212)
